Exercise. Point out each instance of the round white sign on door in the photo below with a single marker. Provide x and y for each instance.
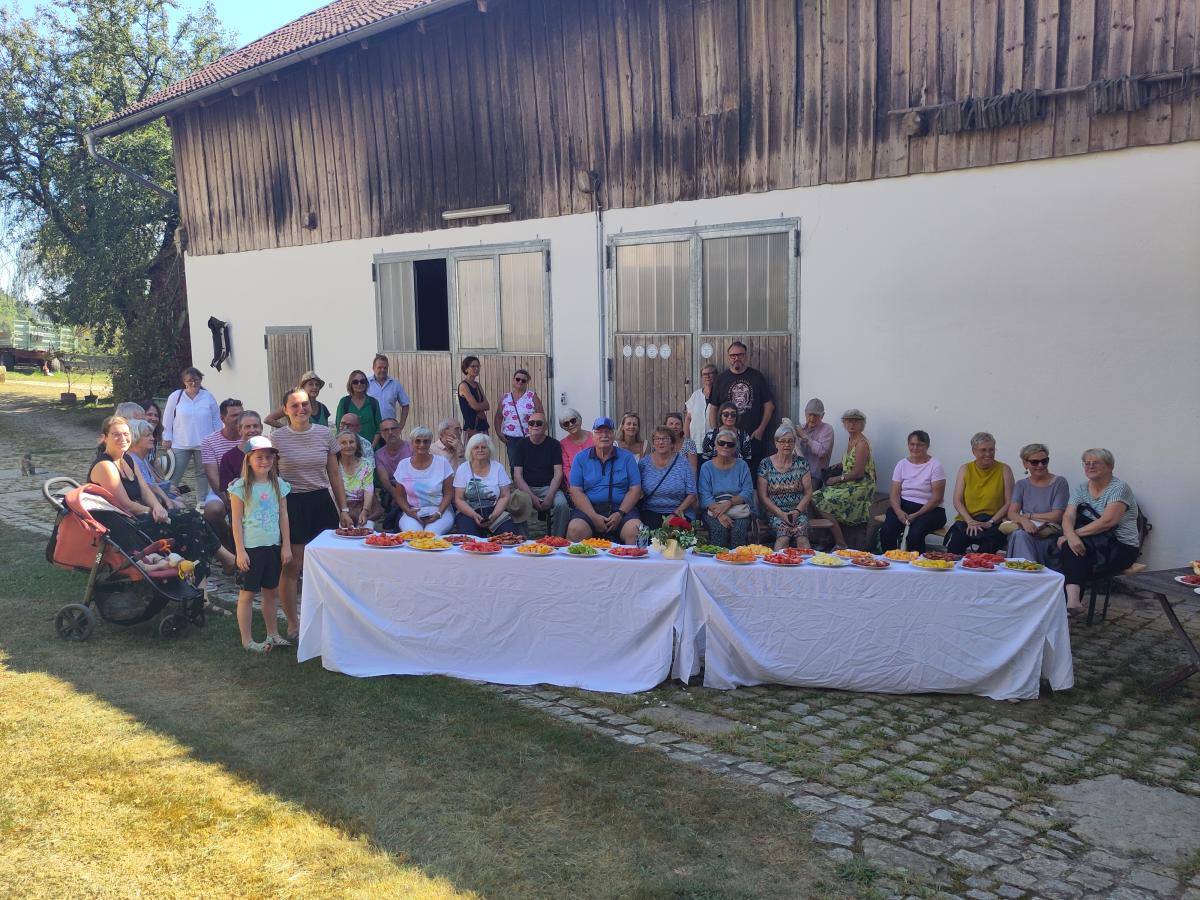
(627, 351)
(706, 350)
(664, 351)
(639, 351)
(652, 352)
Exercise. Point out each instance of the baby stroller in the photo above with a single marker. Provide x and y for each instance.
(92, 535)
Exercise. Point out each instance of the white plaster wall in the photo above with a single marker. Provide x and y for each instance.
(329, 287)
(1056, 301)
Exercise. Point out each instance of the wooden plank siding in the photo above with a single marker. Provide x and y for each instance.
(666, 100)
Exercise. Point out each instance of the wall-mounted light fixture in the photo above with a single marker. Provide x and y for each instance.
(479, 212)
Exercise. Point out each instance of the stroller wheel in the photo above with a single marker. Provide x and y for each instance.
(74, 622)
(171, 626)
(196, 615)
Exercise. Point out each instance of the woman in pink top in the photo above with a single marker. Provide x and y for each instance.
(575, 441)
(918, 486)
(512, 418)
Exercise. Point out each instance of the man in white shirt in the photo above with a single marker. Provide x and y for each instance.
(388, 391)
(212, 448)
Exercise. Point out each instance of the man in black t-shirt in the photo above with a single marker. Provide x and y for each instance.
(538, 471)
(747, 389)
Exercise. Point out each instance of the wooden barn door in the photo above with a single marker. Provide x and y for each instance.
(652, 376)
(501, 313)
(691, 294)
(289, 355)
(652, 367)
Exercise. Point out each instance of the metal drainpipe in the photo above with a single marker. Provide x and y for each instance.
(126, 171)
(601, 259)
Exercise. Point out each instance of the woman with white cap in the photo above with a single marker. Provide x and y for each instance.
(847, 495)
(814, 439)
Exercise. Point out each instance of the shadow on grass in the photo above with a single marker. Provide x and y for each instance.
(437, 772)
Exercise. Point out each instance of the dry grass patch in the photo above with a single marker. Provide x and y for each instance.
(95, 804)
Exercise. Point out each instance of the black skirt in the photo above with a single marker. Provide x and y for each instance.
(310, 513)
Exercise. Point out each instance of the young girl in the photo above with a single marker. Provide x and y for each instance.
(262, 538)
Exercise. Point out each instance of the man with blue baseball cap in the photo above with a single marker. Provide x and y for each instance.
(605, 488)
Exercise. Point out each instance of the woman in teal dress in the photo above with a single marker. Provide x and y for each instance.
(847, 496)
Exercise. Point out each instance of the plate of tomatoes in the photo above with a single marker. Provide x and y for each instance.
(552, 541)
(1190, 580)
(480, 548)
(973, 563)
(994, 558)
(622, 552)
(784, 560)
(385, 541)
(870, 562)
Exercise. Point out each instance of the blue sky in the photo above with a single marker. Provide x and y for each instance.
(250, 19)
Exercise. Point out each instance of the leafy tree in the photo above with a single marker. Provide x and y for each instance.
(103, 248)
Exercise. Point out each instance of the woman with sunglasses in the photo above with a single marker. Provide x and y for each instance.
(575, 441)
(421, 487)
(1038, 502)
(727, 417)
(512, 418)
(362, 404)
(726, 489)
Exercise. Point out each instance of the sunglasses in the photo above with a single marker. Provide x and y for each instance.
(1039, 462)
(726, 444)
(535, 423)
(729, 414)
(359, 381)
(567, 423)
(521, 380)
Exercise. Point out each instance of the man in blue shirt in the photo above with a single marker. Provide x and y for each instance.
(605, 488)
(388, 391)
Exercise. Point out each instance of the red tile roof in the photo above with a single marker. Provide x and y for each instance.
(330, 21)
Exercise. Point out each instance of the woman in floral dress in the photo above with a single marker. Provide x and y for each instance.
(785, 490)
(847, 496)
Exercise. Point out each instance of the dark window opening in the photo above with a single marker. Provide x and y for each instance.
(432, 304)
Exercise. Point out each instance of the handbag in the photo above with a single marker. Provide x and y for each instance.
(1102, 548)
(666, 474)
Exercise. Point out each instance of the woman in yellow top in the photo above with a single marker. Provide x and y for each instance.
(982, 493)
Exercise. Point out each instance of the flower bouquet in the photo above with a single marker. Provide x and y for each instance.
(673, 537)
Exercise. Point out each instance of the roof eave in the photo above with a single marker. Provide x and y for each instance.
(142, 117)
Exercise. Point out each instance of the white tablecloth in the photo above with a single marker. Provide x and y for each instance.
(899, 630)
(602, 624)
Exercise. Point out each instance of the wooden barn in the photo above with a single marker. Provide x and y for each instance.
(957, 215)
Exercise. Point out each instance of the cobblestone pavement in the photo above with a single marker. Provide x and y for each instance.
(924, 795)
(919, 796)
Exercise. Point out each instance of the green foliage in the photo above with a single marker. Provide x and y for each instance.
(93, 237)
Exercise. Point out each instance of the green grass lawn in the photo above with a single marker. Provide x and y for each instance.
(134, 766)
